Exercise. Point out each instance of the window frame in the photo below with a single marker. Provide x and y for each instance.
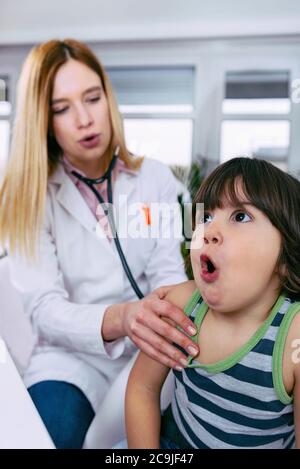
(271, 62)
(190, 115)
(10, 73)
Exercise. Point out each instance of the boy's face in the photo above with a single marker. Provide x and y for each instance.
(236, 266)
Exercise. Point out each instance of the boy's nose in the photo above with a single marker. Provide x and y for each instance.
(212, 235)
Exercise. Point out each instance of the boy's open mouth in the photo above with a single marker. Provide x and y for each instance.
(209, 271)
(207, 264)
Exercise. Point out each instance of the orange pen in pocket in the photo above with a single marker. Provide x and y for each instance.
(146, 210)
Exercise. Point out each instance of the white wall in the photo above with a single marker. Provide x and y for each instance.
(212, 36)
(211, 59)
(34, 20)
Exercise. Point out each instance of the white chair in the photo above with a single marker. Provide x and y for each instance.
(15, 327)
(21, 427)
(108, 427)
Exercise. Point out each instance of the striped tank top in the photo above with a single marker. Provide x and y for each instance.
(238, 402)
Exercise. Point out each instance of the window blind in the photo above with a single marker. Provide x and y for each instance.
(153, 85)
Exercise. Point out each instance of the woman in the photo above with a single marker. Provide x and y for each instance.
(63, 257)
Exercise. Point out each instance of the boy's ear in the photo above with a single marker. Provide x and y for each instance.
(282, 270)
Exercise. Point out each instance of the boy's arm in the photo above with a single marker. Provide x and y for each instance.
(142, 403)
(181, 294)
(292, 345)
(296, 362)
(297, 406)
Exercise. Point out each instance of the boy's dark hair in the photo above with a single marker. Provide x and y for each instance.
(275, 193)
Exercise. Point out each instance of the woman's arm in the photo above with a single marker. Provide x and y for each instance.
(142, 404)
(54, 317)
(59, 321)
(141, 320)
(86, 326)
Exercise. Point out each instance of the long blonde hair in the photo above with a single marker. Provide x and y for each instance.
(34, 151)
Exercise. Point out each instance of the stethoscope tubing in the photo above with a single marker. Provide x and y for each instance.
(110, 216)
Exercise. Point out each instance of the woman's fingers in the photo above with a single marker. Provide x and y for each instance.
(164, 330)
(154, 335)
(174, 313)
(151, 317)
(161, 292)
(152, 324)
(159, 349)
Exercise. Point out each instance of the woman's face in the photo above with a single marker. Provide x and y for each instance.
(81, 120)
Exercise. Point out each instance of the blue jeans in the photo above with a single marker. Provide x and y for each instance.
(65, 411)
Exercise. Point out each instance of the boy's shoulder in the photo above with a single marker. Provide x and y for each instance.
(292, 343)
(294, 328)
(181, 293)
(293, 331)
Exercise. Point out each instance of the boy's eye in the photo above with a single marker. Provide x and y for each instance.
(242, 217)
(207, 217)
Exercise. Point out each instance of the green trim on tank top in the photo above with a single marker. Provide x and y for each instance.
(236, 356)
(277, 366)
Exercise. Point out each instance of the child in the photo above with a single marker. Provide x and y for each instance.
(243, 389)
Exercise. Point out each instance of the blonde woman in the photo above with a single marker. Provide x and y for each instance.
(88, 316)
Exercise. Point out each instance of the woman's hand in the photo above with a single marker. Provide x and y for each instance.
(145, 323)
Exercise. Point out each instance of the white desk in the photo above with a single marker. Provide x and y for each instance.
(20, 423)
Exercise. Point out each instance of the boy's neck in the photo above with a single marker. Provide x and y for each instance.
(255, 312)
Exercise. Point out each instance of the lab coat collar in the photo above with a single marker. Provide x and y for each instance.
(71, 199)
(58, 176)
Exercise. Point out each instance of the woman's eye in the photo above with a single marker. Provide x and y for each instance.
(242, 217)
(59, 111)
(94, 99)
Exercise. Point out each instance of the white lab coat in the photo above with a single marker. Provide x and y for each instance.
(78, 274)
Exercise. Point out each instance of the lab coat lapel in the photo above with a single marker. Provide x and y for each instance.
(71, 199)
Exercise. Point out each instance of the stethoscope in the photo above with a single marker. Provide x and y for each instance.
(110, 216)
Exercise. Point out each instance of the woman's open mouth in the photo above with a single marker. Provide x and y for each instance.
(90, 141)
(209, 271)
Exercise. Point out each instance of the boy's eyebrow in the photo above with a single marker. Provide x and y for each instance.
(239, 204)
(242, 205)
(89, 90)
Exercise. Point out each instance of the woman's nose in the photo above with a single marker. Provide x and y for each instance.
(83, 117)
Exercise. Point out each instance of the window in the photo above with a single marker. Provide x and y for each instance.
(256, 112)
(157, 107)
(5, 110)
